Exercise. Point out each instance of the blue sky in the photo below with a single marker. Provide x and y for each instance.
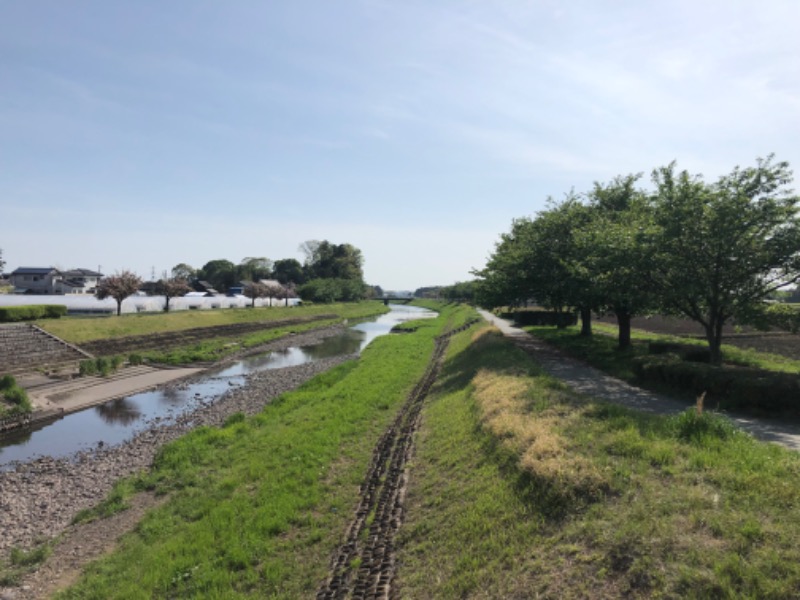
(143, 134)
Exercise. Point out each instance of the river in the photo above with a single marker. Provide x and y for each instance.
(118, 420)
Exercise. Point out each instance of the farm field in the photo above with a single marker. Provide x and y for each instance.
(773, 342)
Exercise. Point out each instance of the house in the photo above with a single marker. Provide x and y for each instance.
(205, 287)
(52, 281)
(79, 281)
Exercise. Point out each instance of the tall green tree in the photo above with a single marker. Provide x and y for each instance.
(613, 242)
(288, 270)
(183, 271)
(254, 268)
(220, 273)
(724, 247)
(505, 281)
(325, 260)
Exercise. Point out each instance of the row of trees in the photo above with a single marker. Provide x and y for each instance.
(323, 260)
(711, 252)
(331, 273)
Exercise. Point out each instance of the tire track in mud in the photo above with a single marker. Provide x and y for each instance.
(364, 565)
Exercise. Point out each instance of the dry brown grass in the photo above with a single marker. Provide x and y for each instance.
(506, 405)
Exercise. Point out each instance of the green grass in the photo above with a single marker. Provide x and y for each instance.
(78, 330)
(13, 398)
(256, 507)
(692, 508)
(217, 348)
(21, 562)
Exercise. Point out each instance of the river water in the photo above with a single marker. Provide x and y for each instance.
(119, 420)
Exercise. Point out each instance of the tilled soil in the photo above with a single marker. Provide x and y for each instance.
(382, 498)
(39, 499)
(775, 342)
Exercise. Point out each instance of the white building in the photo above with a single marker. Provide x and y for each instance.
(52, 281)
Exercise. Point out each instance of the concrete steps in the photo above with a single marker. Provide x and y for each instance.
(26, 347)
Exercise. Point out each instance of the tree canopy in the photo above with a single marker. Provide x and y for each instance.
(710, 252)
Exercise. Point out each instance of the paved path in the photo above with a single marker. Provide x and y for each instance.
(82, 392)
(593, 382)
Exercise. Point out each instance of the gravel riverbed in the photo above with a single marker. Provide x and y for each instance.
(38, 499)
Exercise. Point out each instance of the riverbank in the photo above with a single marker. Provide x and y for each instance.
(38, 499)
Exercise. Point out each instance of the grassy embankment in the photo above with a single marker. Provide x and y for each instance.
(79, 330)
(256, 508)
(518, 488)
(523, 489)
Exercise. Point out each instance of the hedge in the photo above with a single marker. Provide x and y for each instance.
(542, 317)
(728, 387)
(31, 312)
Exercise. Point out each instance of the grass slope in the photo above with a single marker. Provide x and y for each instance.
(78, 330)
(258, 506)
(521, 489)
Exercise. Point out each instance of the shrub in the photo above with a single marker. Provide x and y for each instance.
(7, 382)
(729, 387)
(135, 359)
(14, 393)
(103, 365)
(87, 367)
(31, 312)
(542, 318)
(696, 427)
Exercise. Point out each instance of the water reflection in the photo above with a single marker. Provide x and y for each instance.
(122, 411)
(172, 396)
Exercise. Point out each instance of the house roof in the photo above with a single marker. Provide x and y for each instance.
(48, 270)
(33, 270)
(81, 273)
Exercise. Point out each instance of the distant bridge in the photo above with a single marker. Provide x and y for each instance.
(397, 299)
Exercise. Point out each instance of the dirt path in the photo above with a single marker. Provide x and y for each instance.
(364, 565)
(593, 382)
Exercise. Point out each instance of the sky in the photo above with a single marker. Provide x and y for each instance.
(142, 134)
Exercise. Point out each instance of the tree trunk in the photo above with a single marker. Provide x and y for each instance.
(624, 324)
(561, 322)
(119, 307)
(166, 306)
(586, 322)
(714, 337)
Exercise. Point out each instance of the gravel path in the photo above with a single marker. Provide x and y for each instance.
(593, 382)
(39, 499)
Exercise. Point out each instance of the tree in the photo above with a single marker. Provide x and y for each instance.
(325, 260)
(505, 280)
(273, 290)
(220, 273)
(183, 271)
(254, 290)
(333, 290)
(253, 269)
(724, 247)
(2, 262)
(172, 288)
(617, 259)
(288, 270)
(118, 287)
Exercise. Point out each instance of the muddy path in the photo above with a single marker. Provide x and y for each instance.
(364, 564)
